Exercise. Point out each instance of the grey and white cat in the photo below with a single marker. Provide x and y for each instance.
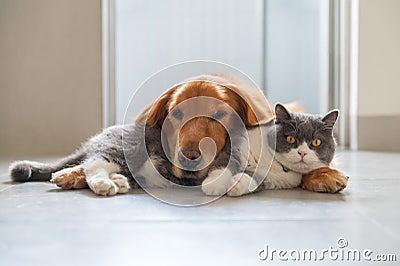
(103, 151)
(294, 145)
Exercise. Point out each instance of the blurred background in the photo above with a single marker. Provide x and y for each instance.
(69, 67)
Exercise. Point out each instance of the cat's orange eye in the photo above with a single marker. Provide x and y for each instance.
(291, 139)
(316, 142)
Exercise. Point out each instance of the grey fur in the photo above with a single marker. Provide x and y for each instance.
(22, 171)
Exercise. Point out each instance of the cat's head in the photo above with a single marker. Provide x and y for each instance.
(304, 142)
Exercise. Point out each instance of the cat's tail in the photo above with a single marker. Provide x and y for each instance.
(22, 171)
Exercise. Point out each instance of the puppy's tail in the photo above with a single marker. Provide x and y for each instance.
(22, 171)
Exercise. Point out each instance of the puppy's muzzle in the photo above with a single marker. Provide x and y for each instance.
(189, 158)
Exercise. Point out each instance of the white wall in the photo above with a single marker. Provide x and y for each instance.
(379, 58)
(379, 75)
(50, 75)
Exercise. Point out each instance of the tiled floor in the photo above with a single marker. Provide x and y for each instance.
(43, 225)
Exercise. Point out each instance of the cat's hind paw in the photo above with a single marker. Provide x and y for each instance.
(324, 179)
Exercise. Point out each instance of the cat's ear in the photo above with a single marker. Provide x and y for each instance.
(331, 117)
(281, 113)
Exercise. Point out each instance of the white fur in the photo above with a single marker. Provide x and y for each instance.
(279, 179)
(242, 184)
(217, 182)
(102, 178)
(264, 163)
(121, 182)
(292, 159)
(91, 167)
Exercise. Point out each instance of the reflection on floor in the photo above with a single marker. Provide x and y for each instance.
(43, 225)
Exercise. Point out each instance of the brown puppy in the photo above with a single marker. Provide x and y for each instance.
(197, 116)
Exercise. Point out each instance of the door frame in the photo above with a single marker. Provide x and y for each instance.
(343, 73)
(108, 62)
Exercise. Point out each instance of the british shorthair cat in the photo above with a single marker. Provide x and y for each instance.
(296, 144)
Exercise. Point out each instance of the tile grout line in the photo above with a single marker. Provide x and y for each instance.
(4, 189)
(5, 175)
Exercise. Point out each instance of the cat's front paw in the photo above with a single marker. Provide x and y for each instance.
(121, 182)
(241, 184)
(324, 179)
(102, 186)
(217, 182)
(69, 178)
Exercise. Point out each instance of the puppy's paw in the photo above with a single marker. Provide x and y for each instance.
(121, 182)
(324, 179)
(241, 184)
(68, 178)
(102, 186)
(216, 183)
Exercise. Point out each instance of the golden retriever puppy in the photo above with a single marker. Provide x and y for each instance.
(197, 116)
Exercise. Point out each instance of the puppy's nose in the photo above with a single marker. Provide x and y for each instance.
(189, 158)
(191, 154)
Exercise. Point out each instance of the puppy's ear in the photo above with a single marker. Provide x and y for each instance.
(246, 113)
(157, 112)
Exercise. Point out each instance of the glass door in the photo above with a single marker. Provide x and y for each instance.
(283, 45)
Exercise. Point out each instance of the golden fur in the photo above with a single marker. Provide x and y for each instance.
(68, 178)
(324, 179)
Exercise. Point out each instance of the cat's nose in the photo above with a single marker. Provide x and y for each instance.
(302, 153)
